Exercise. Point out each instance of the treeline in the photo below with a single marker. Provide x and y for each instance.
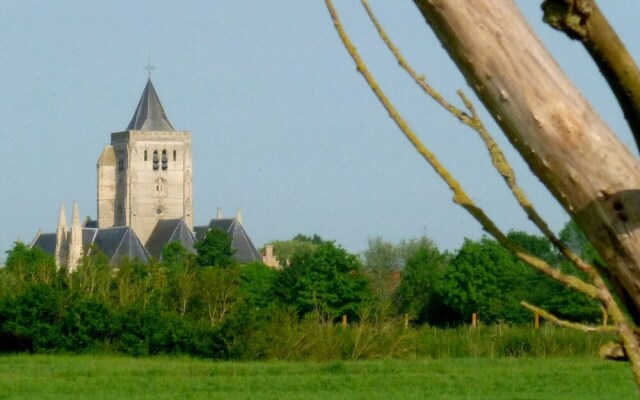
(206, 305)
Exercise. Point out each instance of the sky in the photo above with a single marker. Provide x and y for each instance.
(282, 125)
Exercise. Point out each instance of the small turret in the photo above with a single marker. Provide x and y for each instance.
(62, 239)
(75, 242)
(239, 217)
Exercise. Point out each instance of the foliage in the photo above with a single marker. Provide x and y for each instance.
(32, 321)
(381, 256)
(327, 281)
(256, 312)
(30, 265)
(218, 290)
(256, 285)
(574, 238)
(483, 278)
(286, 250)
(215, 250)
(420, 291)
(175, 256)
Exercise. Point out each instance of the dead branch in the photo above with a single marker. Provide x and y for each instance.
(582, 20)
(568, 324)
(472, 119)
(460, 196)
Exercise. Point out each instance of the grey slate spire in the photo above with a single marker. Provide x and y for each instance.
(149, 115)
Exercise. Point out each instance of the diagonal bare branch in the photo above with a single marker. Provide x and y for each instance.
(460, 196)
(568, 324)
(473, 120)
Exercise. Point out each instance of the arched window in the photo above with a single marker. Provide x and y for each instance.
(165, 161)
(156, 161)
(145, 155)
(174, 155)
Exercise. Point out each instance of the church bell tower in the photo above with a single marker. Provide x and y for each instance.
(145, 175)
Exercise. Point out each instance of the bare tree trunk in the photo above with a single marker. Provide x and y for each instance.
(582, 20)
(566, 144)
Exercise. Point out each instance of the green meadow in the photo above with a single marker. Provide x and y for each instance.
(115, 377)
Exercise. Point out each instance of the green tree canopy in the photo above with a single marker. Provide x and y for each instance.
(174, 255)
(215, 250)
(287, 250)
(419, 291)
(327, 281)
(484, 278)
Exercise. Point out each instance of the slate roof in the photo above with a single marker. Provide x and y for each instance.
(45, 241)
(117, 243)
(245, 251)
(150, 115)
(167, 231)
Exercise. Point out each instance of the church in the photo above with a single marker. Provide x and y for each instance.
(145, 197)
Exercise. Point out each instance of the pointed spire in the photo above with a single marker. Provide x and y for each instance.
(219, 215)
(149, 115)
(61, 252)
(75, 221)
(62, 218)
(239, 216)
(75, 240)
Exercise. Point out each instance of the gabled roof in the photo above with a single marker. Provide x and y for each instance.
(167, 231)
(117, 243)
(149, 115)
(45, 241)
(245, 251)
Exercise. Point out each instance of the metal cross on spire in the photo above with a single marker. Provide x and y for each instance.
(148, 67)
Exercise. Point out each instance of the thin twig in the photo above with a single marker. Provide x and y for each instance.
(600, 291)
(497, 156)
(460, 196)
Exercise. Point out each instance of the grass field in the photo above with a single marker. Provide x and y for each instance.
(109, 377)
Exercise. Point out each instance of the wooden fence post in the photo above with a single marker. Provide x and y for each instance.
(474, 320)
(344, 320)
(406, 320)
(537, 320)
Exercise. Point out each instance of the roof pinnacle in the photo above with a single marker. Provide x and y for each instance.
(148, 67)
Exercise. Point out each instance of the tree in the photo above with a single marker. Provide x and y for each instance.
(215, 250)
(385, 257)
(174, 255)
(573, 152)
(286, 250)
(93, 274)
(383, 262)
(256, 285)
(419, 292)
(218, 290)
(484, 278)
(327, 281)
(30, 265)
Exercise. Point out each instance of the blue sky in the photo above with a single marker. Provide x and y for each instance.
(283, 126)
